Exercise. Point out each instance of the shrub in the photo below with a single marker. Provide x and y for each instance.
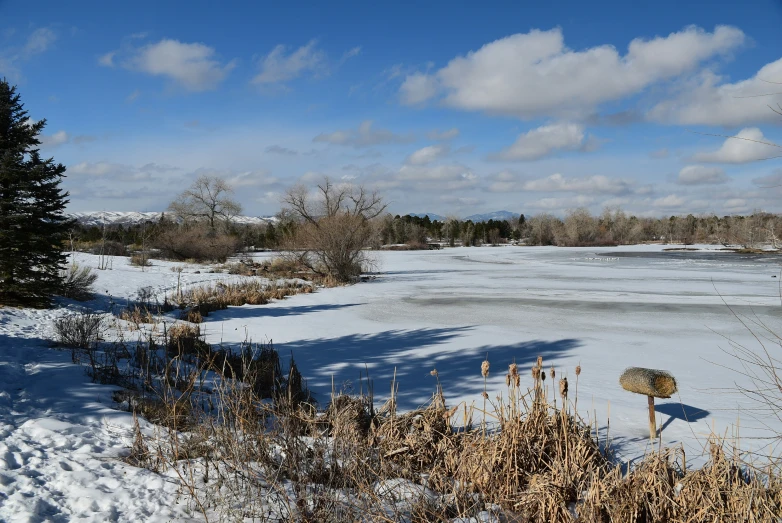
(81, 330)
(333, 230)
(196, 243)
(107, 248)
(77, 282)
(140, 259)
(241, 268)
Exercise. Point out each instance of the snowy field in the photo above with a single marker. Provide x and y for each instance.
(605, 308)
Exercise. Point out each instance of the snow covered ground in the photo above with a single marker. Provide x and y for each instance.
(605, 308)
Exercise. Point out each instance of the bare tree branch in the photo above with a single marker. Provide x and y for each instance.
(772, 144)
(758, 95)
(333, 227)
(207, 199)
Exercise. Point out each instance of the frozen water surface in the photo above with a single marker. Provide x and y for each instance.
(605, 308)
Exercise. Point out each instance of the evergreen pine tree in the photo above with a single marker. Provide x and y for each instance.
(32, 222)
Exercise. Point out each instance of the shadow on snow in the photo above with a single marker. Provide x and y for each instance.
(680, 411)
(412, 354)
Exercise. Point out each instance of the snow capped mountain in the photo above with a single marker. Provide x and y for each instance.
(124, 218)
(496, 215)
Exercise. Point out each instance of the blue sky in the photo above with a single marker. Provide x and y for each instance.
(446, 107)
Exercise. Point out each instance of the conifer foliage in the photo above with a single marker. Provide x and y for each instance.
(32, 221)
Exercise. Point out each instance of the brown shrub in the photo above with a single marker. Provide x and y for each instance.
(106, 248)
(196, 243)
(140, 259)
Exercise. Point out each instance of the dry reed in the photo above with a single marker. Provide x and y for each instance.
(286, 461)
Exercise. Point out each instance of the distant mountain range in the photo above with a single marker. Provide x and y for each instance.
(128, 218)
(485, 217)
(432, 216)
(496, 215)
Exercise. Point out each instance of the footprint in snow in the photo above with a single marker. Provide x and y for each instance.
(8, 461)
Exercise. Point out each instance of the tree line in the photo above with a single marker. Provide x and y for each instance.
(580, 228)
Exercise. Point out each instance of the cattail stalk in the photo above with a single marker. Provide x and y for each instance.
(578, 373)
(485, 374)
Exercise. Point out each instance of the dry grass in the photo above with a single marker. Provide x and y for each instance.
(288, 461)
(137, 315)
(200, 301)
(140, 259)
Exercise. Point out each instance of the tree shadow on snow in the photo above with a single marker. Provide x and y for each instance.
(43, 382)
(264, 311)
(411, 355)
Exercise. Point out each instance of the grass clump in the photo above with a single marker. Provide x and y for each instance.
(200, 301)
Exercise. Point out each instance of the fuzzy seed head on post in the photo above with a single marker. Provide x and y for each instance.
(485, 395)
(540, 362)
(578, 369)
(518, 381)
(563, 388)
(485, 368)
(507, 380)
(434, 373)
(552, 372)
(513, 369)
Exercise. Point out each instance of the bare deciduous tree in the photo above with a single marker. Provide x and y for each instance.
(208, 200)
(580, 228)
(333, 228)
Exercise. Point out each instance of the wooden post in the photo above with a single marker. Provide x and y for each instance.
(652, 423)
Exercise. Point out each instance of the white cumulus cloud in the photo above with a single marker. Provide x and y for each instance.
(544, 141)
(749, 145)
(535, 74)
(193, 66)
(710, 100)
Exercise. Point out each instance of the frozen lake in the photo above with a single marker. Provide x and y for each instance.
(606, 309)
